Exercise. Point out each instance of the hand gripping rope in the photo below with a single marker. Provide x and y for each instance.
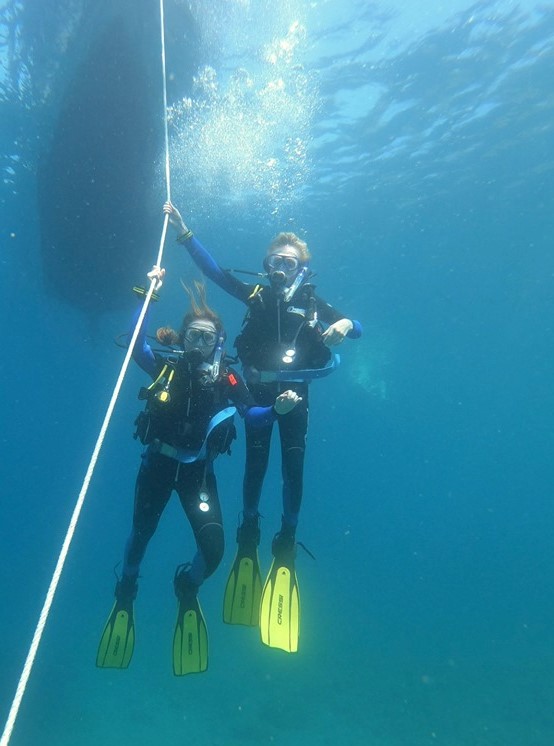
(10, 722)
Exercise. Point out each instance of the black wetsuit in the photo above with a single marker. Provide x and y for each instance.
(271, 329)
(174, 429)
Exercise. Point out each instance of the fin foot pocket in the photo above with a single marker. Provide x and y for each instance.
(118, 639)
(243, 592)
(190, 640)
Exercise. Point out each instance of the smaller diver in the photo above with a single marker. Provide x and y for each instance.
(187, 423)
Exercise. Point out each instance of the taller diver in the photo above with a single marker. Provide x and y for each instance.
(284, 343)
(187, 423)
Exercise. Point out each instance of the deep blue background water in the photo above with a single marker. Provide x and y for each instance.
(419, 169)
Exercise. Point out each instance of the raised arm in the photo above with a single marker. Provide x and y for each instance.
(203, 259)
(142, 352)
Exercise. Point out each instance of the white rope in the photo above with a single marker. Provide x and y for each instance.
(31, 655)
(69, 536)
(166, 134)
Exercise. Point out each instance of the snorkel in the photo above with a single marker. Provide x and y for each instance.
(301, 277)
(218, 355)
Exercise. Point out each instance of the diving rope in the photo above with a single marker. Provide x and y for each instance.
(31, 655)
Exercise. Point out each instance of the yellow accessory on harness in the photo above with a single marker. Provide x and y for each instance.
(255, 292)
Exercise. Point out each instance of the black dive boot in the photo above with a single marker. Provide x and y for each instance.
(283, 546)
(190, 641)
(126, 590)
(248, 533)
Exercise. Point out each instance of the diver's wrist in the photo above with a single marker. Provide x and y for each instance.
(185, 235)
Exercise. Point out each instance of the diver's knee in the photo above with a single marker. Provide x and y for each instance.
(297, 450)
(293, 458)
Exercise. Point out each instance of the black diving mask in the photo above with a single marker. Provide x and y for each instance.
(281, 263)
(196, 336)
(200, 336)
(281, 269)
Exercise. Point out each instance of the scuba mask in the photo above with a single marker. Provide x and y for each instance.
(286, 273)
(195, 335)
(200, 345)
(281, 263)
(200, 337)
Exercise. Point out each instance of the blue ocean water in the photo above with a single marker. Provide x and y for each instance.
(412, 149)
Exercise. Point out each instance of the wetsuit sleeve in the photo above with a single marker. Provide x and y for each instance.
(260, 416)
(142, 353)
(328, 314)
(243, 400)
(209, 267)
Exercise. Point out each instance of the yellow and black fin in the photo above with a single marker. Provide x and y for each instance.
(243, 592)
(280, 604)
(118, 639)
(190, 640)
